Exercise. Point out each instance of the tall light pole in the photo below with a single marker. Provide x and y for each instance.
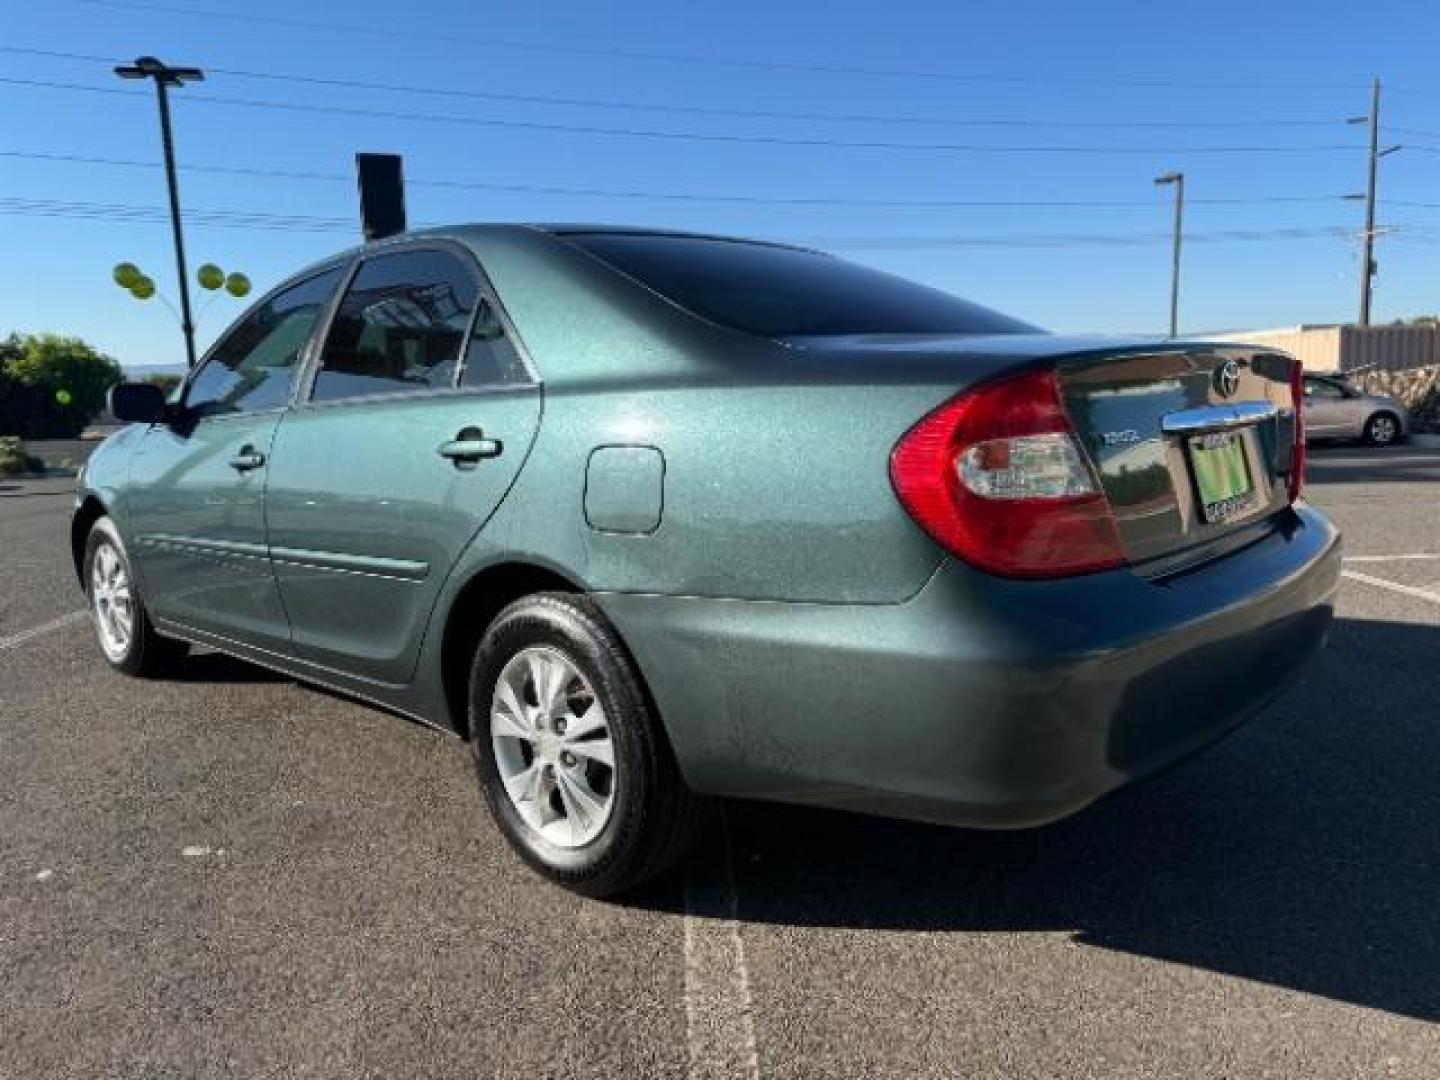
(1367, 253)
(1177, 179)
(147, 67)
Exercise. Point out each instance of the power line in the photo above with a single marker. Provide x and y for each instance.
(689, 136)
(222, 218)
(585, 192)
(1390, 130)
(1405, 90)
(703, 110)
(24, 207)
(55, 84)
(1139, 239)
(331, 27)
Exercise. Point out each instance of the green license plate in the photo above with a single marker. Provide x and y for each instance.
(1222, 475)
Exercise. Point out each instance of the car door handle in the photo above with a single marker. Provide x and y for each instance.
(248, 458)
(469, 446)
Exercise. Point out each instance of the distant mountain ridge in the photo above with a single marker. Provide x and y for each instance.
(141, 371)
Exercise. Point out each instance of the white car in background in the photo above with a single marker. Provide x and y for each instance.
(1334, 409)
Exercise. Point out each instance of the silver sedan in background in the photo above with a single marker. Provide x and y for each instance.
(1334, 409)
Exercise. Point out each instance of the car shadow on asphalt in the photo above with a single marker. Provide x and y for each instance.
(21, 491)
(215, 667)
(1303, 852)
(202, 666)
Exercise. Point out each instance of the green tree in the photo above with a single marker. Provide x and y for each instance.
(52, 386)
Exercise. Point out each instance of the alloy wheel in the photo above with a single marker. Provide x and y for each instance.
(112, 603)
(553, 748)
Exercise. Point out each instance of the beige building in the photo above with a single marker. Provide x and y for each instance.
(1343, 348)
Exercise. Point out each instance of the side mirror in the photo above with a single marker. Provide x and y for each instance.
(138, 403)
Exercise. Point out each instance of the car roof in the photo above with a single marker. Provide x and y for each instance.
(584, 229)
(522, 230)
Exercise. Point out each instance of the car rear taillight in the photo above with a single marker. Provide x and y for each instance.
(1297, 451)
(998, 477)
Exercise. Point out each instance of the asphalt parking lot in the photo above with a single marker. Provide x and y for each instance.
(232, 874)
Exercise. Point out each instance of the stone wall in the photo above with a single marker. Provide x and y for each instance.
(1418, 388)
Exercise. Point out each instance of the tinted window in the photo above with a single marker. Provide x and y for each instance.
(491, 357)
(782, 292)
(253, 367)
(400, 326)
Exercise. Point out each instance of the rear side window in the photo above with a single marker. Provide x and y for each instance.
(784, 292)
(400, 327)
(253, 366)
(491, 358)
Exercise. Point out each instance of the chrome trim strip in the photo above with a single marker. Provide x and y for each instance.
(403, 569)
(1217, 417)
(191, 545)
(339, 562)
(446, 393)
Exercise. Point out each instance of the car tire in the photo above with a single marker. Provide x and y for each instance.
(570, 753)
(128, 639)
(1383, 429)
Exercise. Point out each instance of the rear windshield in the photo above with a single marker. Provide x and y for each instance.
(784, 292)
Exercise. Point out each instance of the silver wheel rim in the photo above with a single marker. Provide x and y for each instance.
(112, 604)
(1382, 429)
(552, 747)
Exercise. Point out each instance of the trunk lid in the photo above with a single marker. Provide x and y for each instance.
(1192, 443)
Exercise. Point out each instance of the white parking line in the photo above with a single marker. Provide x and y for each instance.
(719, 1015)
(1392, 586)
(44, 628)
(1409, 557)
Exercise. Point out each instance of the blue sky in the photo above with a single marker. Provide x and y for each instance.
(1277, 76)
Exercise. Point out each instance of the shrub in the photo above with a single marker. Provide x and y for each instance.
(14, 459)
(52, 386)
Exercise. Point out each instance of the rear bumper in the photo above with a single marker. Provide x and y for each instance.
(982, 701)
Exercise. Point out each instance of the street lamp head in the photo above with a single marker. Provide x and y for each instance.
(147, 67)
(1170, 178)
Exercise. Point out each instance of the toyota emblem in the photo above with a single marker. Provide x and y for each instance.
(1227, 379)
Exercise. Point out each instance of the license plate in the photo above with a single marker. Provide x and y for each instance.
(1222, 475)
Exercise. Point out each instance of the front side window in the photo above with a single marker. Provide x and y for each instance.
(1321, 389)
(253, 367)
(400, 327)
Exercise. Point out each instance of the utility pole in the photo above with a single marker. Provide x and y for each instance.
(147, 67)
(1177, 179)
(1367, 252)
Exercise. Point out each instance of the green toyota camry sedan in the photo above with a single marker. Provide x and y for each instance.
(653, 518)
